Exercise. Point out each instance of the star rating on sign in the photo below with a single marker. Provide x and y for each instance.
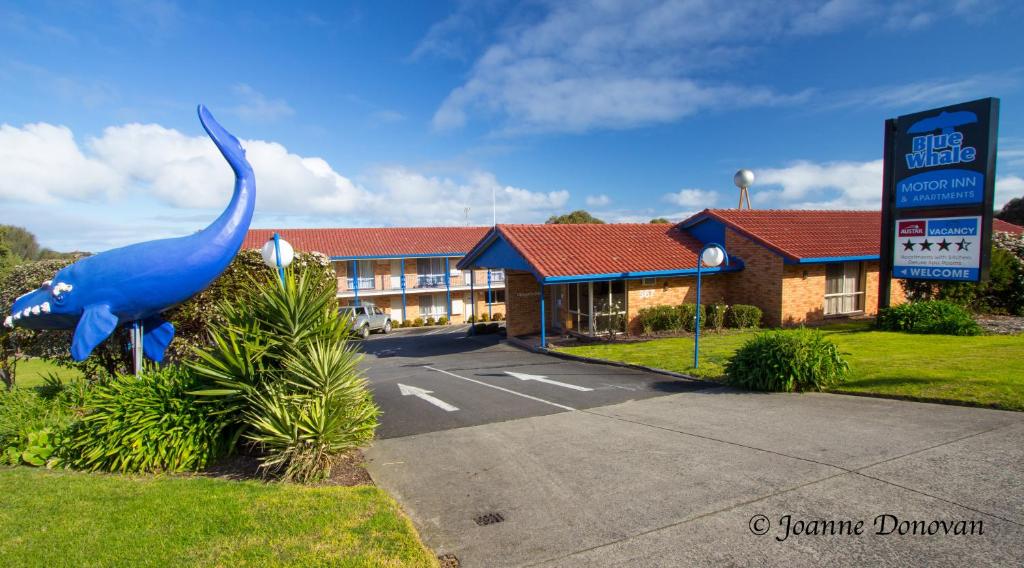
(926, 245)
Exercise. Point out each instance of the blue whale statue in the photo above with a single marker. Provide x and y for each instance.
(136, 283)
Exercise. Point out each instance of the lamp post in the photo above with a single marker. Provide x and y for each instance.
(277, 253)
(712, 255)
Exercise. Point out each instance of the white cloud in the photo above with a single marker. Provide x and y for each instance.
(598, 200)
(828, 185)
(841, 185)
(581, 65)
(42, 164)
(255, 106)
(692, 198)
(934, 91)
(408, 197)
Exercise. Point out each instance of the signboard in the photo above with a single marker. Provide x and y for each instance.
(942, 156)
(938, 188)
(938, 248)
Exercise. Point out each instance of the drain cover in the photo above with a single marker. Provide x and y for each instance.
(448, 561)
(489, 519)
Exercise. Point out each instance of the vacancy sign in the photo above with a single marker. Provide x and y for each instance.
(938, 248)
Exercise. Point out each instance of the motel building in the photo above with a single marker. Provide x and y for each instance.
(409, 272)
(799, 267)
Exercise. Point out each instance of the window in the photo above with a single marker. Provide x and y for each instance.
(597, 307)
(497, 297)
(433, 305)
(366, 280)
(430, 272)
(844, 288)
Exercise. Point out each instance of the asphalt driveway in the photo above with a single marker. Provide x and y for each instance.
(647, 471)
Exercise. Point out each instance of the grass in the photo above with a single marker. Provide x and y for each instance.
(57, 518)
(30, 372)
(986, 370)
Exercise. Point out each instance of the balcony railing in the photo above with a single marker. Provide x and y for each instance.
(365, 283)
(387, 282)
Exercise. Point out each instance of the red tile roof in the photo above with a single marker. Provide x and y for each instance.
(381, 242)
(575, 250)
(804, 233)
(1005, 227)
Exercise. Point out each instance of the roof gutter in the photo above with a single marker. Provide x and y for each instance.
(735, 266)
(821, 259)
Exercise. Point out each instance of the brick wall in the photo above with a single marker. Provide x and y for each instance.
(803, 293)
(522, 298)
(760, 282)
(671, 292)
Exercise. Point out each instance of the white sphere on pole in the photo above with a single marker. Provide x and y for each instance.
(712, 257)
(743, 178)
(270, 254)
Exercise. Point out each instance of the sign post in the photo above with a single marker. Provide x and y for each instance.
(937, 196)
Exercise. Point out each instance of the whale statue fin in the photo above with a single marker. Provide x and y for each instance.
(156, 336)
(96, 324)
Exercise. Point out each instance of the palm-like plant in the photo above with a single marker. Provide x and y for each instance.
(285, 367)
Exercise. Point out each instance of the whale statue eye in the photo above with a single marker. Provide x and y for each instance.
(58, 290)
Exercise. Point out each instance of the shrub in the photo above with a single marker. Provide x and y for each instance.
(145, 424)
(442, 320)
(485, 317)
(471, 319)
(32, 420)
(688, 316)
(787, 360)
(498, 316)
(1002, 293)
(418, 322)
(743, 316)
(407, 323)
(715, 314)
(431, 321)
(285, 368)
(660, 318)
(934, 316)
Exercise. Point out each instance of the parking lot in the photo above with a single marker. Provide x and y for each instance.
(432, 379)
(604, 466)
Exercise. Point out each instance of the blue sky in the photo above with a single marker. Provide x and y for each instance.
(413, 113)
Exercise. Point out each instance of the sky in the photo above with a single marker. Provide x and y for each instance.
(395, 113)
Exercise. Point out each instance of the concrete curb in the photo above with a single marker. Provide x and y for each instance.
(562, 355)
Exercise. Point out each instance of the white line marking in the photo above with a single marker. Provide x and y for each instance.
(424, 394)
(503, 389)
(543, 379)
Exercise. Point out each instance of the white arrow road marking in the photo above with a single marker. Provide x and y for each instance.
(502, 389)
(424, 394)
(543, 379)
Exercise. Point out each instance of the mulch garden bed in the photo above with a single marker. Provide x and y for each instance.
(1001, 325)
(347, 470)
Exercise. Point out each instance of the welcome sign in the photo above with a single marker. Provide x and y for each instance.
(942, 155)
(940, 248)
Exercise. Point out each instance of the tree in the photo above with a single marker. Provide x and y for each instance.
(660, 221)
(1013, 211)
(578, 217)
(20, 241)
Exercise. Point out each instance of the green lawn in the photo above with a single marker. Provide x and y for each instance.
(51, 518)
(986, 370)
(30, 372)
